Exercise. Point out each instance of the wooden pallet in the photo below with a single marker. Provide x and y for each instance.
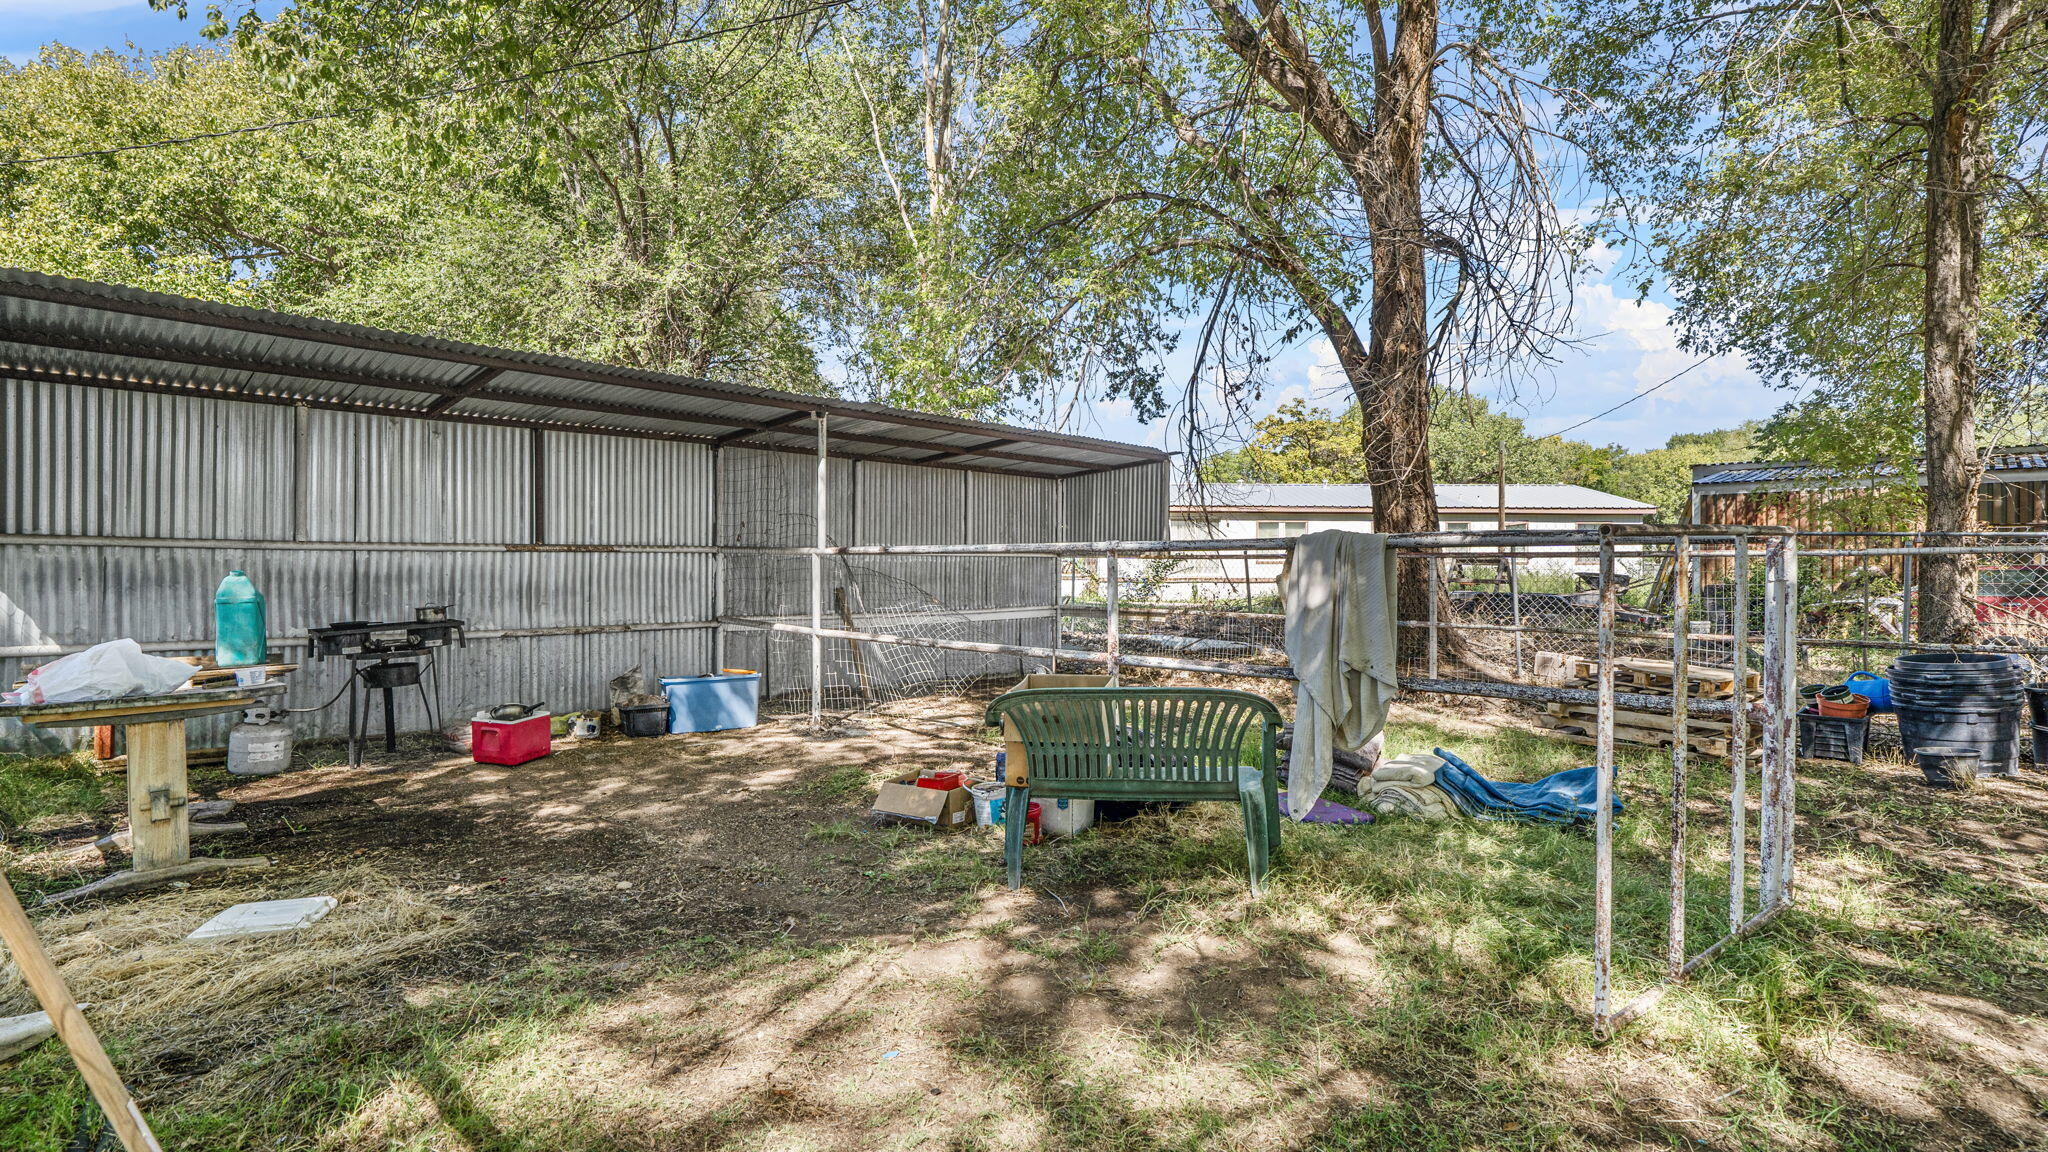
(1637, 718)
(1707, 683)
(1580, 731)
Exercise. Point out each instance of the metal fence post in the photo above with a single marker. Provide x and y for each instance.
(1435, 590)
(1112, 644)
(1786, 704)
(1738, 741)
(1681, 675)
(1515, 607)
(1603, 800)
(1059, 594)
(1906, 609)
(1780, 689)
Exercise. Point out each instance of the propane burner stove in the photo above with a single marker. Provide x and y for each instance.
(387, 656)
(368, 637)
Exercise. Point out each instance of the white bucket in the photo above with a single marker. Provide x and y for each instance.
(1065, 817)
(985, 795)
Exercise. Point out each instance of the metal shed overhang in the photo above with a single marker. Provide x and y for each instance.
(106, 336)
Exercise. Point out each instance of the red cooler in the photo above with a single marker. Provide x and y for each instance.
(509, 741)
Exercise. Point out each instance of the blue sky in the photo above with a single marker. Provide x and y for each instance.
(1625, 345)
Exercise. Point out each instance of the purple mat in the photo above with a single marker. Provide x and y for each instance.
(1328, 812)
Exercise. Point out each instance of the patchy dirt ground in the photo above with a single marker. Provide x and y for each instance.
(701, 943)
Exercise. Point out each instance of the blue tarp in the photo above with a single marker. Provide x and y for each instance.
(1564, 798)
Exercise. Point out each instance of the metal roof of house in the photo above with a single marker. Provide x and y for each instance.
(2021, 458)
(107, 336)
(1524, 497)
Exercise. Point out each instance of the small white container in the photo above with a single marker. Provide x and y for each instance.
(1065, 817)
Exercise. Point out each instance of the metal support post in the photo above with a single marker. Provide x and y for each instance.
(1738, 743)
(1603, 801)
(824, 508)
(1112, 643)
(1681, 675)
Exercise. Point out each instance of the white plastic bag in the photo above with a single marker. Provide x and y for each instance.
(102, 672)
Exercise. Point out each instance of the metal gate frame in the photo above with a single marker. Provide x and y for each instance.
(1777, 787)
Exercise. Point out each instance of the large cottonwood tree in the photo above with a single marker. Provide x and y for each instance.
(1852, 195)
(1341, 170)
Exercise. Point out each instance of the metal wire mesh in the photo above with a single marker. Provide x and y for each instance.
(769, 501)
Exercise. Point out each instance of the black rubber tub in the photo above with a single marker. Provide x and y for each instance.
(1950, 767)
(644, 719)
(1962, 699)
(1995, 735)
(2037, 702)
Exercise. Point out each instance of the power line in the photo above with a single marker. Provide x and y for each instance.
(1638, 396)
(695, 37)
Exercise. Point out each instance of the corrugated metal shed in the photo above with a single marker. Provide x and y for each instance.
(150, 444)
(2023, 458)
(78, 332)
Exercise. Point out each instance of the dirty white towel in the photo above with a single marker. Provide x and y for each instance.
(1339, 592)
(1406, 785)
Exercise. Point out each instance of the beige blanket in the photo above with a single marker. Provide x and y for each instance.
(1339, 592)
(1406, 785)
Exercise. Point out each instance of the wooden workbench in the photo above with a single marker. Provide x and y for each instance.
(159, 824)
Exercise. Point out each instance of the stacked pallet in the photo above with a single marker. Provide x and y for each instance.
(1707, 735)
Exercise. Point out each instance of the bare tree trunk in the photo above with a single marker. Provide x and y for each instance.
(1954, 245)
(1383, 157)
(1395, 391)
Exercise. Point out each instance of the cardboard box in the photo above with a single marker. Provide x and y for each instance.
(901, 799)
(1015, 770)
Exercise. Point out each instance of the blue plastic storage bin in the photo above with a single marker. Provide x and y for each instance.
(731, 699)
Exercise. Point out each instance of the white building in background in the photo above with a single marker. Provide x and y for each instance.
(1243, 511)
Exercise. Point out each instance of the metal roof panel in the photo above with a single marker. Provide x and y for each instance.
(125, 337)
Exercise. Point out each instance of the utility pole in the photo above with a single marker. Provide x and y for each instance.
(1500, 488)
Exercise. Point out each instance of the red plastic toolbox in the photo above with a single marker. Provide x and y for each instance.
(509, 741)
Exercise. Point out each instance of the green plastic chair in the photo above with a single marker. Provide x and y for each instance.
(1144, 744)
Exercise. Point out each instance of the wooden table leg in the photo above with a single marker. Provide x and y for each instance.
(159, 818)
(157, 796)
(43, 979)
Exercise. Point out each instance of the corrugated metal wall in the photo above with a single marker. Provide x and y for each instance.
(83, 463)
(451, 514)
(1128, 504)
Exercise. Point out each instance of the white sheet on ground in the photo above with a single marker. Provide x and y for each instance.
(1339, 590)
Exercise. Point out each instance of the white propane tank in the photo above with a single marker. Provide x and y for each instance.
(261, 745)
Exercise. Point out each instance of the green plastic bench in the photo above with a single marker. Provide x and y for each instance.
(1144, 744)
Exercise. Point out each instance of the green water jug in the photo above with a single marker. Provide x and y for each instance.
(240, 635)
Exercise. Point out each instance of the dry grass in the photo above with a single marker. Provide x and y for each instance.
(701, 944)
(131, 960)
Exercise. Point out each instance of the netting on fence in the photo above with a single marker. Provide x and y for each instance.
(768, 501)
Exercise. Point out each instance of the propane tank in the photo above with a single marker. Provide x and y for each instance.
(261, 744)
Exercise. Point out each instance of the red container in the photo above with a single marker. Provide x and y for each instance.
(945, 780)
(1032, 833)
(509, 741)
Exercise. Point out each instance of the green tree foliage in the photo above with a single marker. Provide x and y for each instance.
(1852, 195)
(469, 227)
(1301, 444)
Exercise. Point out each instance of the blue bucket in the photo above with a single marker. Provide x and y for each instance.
(1871, 687)
(731, 699)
